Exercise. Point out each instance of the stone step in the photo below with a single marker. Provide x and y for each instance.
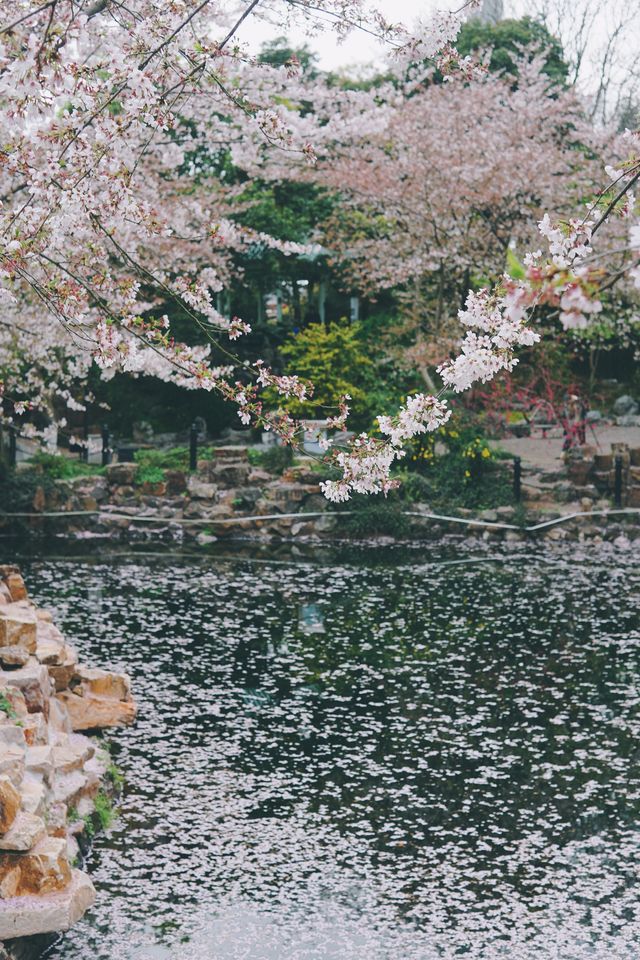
(30, 915)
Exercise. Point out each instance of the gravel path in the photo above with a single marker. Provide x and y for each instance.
(546, 453)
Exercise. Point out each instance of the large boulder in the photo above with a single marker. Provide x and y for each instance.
(90, 712)
(23, 834)
(121, 474)
(45, 869)
(35, 685)
(625, 406)
(103, 683)
(30, 915)
(18, 627)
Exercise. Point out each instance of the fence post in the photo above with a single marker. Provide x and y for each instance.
(13, 446)
(106, 451)
(617, 481)
(193, 447)
(517, 479)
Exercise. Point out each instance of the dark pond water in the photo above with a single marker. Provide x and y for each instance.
(388, 758)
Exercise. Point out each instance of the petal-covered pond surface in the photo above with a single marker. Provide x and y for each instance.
(390, 756)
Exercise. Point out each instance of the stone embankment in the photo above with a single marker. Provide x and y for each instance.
(228, 496)
(50, 772)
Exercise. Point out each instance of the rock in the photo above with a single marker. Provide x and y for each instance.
(11, 735)
(258, 476)
(90, 712)
(9, 803)
(16, 586)
(158, 489)
(24, 832)
(121, 474)
(200, 490)
(14, 656)
(204, 539)
(628, 420)
(229, 473)
(12, 763)
(303, 529)
(33, 680)
(102, 683)
(31, 915)
(176, 482)
(33, 796)
(625, 405)
(39, 501)
(58, 717)
(142, 431)
(593, 416)
(73, 754)
(39, 760)
(43, 870)
(63, 672)
(18, 627)
(36, 730)
(68, 787)
(227, 453)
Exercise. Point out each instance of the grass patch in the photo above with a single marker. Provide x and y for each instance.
(7, 707)
(57, 467)
(104, 810)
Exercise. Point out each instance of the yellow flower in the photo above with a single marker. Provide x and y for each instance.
(486, 453)
(467, 474)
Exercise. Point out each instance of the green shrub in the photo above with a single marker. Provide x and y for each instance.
(150, 475)
(374, 516)
(336, 358)
(104, 810)
(57, 467)
(458, 468)
(7, 707)
(275, 459)
(175, 458)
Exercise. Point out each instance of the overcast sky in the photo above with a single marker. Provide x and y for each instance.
(358, 49)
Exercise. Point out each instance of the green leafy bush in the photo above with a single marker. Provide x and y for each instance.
(275, 459)
(457, 468)
(175, 458)
(374, 516)
(336, 360)
(148, 474)
(58, 467)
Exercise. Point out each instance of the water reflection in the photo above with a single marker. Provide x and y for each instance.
(448, 768)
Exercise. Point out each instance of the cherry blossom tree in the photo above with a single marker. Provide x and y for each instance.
(111, 114)
(450, 185)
